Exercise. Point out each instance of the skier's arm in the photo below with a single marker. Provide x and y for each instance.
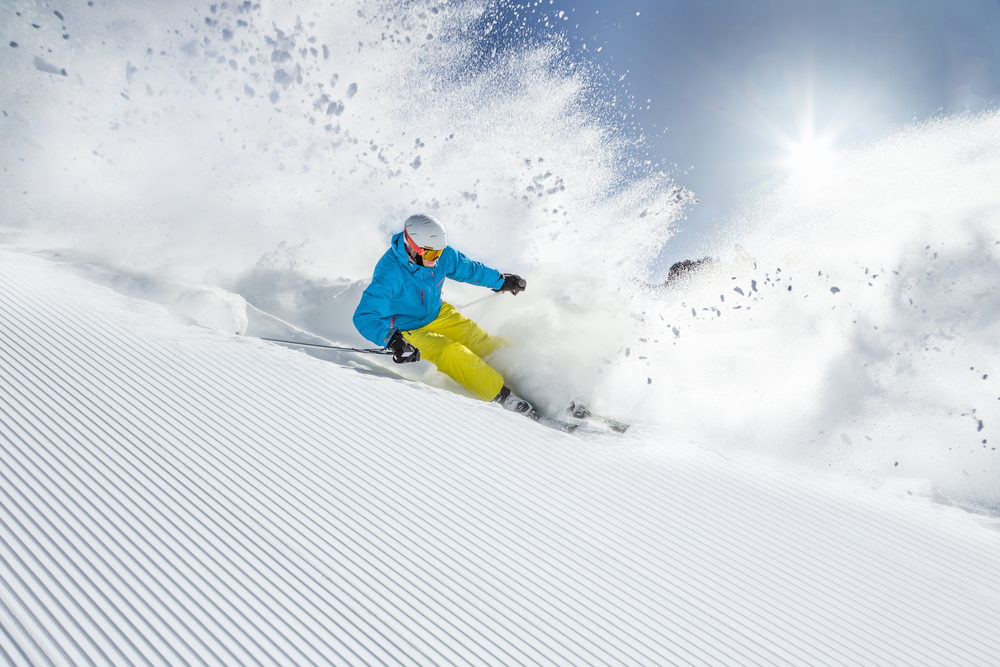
(464, 270)
(372, 317)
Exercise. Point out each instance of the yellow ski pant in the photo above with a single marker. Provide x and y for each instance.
(456, 345)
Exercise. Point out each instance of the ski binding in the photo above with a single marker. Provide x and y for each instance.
(580, 411)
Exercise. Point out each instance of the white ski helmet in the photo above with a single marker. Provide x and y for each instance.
(425, 233)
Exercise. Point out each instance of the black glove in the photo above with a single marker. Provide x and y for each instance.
(402, 351)
(512, 283)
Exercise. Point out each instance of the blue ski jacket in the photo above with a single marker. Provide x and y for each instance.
(404, 295)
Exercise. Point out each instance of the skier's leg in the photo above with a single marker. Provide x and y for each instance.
(457, 362)
(456, 326)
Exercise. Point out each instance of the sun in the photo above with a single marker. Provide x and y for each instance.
(808, 157)
(809, 161)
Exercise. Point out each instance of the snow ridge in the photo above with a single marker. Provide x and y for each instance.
(170, 495)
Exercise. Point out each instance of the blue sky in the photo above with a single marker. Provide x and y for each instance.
(741, 85)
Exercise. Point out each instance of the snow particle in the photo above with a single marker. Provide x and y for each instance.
(649, 380)
(48, 68)
(834, 290)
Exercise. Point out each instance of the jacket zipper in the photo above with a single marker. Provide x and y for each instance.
(421, 298)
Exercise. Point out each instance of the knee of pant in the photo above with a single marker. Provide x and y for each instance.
(453, 352)
(491, 344)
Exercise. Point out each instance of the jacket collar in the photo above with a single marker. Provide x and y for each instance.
(399, 252)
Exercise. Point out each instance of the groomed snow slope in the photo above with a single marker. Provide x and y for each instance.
(172, 495)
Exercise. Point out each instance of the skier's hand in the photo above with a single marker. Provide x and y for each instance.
(402, 351)
(512, 283)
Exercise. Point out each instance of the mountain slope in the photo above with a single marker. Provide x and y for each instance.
(171, 495)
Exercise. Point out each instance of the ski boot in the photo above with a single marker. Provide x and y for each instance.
(511, 401)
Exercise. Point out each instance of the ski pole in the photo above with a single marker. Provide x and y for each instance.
(472, 303)
(372, 350)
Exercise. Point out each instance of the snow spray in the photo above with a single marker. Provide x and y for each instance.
(270, 150)
(851, 322)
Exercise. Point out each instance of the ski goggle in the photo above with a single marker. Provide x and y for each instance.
(428, 254)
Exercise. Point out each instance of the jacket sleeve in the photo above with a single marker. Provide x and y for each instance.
(467, 271)
(372, 317)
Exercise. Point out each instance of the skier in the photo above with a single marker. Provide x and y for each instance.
(402, 310)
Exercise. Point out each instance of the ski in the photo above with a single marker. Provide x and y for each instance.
(565, 427)
(580, 411)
